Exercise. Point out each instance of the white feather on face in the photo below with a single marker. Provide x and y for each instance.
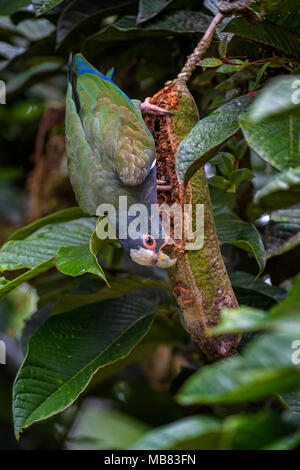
(146, 257)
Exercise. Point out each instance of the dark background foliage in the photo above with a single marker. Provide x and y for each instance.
(132, 393)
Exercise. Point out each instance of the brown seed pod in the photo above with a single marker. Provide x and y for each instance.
(200, 281)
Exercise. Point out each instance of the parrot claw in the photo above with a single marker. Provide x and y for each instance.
(149, 108)
(162, 185)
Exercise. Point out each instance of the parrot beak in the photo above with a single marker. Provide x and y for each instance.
(164, 261)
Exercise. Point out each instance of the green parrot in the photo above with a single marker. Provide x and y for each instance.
(111, 154)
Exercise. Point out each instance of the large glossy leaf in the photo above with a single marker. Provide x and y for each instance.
(247, 320)
(162, 332)
(276, 139)
(282, 317)
(282, 191)
(292, 401)
(126, 29)
(45, 242)
(80, 16)
(208, 136)
(65, 244)
(67, 351)
(281, 95)
(34, 30)
(264, 369)
(266, 33)
(195, 432)
(42, 6)
(231, 229)
(150, 8)
(266, 366)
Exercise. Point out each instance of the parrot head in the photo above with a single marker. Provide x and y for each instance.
(147, 251)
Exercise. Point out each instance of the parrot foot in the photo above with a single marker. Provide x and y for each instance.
(164, 187)
(148, 108)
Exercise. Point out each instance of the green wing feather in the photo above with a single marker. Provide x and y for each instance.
(106, 136)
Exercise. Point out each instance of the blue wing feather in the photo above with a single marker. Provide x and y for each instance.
(78, 66)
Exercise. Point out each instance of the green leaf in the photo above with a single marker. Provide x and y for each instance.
(240, 176)
(67, 351)
(266, 33)
(29, 77)
(279, 96)
(77, 260)
(79, 17)
(208, 136)
(225, 163)
(219, 182)
(8, 286)
(236, 65)
(231, 229)
(210, 62)
(276, 139)
(162, 332)
(264, 369)
(282, 191)
(98, 429)
(283, 231)
(42, 6)
(150, 8)
(118, 286)
(292, 401)
(45, 242)
(262, 430)
(212, 5)
(282, 317)
(66, 242)
(193, 433)
(126, 29)
(223, 45)
(8, 7)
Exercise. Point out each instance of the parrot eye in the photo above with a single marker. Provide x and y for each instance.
(149, 242)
